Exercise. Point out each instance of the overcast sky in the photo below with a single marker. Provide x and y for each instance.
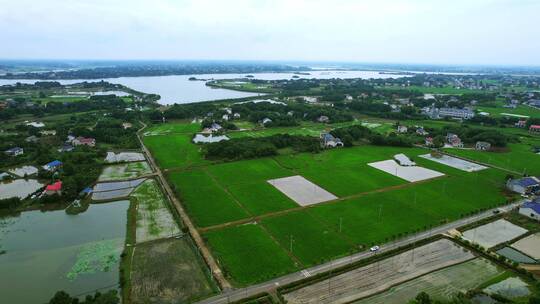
(384, 31)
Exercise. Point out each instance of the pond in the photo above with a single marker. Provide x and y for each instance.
(50, 251)
(20, 188)
(201, 138)
(179, 89)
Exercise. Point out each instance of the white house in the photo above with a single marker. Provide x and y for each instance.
(402, 129)
(403, 160)
(15, 151)
(266, 121)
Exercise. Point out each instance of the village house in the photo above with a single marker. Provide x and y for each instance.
(531, 210)
(402, 129)
(55, 188)
(225, 117)
(15, 151)
(329, 141)
(66, 148)
(84, 141)
(521, 124)
(482, 146)
(126, 125)
(421, 131)
(429, 141)
(290, 113)
(266, 121)
(534, 128)
(236, 115)
(31, 139)
(35, 124)
(436, 113)
(524, 185)
(53, 166)
(323, 119)
(454, 140)
(48, 132)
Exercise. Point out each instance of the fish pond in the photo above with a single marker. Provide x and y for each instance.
(43, 252)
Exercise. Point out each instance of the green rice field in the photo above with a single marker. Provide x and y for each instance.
(258, 233)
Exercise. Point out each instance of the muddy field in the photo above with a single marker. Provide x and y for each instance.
(380, 276)
(410, 174)
(124, 171)
(529, 245)
(169, 271)
(442, 284)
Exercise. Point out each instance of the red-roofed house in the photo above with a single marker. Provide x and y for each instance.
(83, 141)
(55, 188)
(534, 128)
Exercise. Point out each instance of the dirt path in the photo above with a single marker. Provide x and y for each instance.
(205, 252)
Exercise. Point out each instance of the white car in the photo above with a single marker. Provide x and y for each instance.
(374, 248)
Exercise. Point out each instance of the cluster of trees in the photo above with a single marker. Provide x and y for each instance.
(349, 135)
(472, 135)
(110, 297)
(9, 203)
(244, 148)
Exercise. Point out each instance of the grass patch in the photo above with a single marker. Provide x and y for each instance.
(174, 150)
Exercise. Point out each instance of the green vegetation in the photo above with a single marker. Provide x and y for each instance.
(248, 255)
(174, 150)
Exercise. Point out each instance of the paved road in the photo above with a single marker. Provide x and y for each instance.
(238, 294)
(205, 252)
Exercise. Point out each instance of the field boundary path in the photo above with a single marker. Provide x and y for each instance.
(232, 295)
(205, 252)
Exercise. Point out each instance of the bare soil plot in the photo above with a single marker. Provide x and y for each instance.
(494, 233)
(301, 190)
(442, 284)
(154, 219)
(529, 245)
(411, 174)
(455, 162)
(123, 171)
(169, 271)
(124, 157)
(377, 277)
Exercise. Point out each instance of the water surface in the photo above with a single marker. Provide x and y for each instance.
(50, 251)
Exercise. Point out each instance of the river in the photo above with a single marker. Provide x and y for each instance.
(179, 89)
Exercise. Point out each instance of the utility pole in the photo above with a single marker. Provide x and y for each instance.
(291, 242)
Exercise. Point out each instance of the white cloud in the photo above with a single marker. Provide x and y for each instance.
(461, 31)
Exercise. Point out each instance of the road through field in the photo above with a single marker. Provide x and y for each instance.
(205, 252)
(238, 294)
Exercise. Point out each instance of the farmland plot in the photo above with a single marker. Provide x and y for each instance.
(154, 219)
(494, 233)
(379, 276)
(124, 171)
(441, 285)
(169, 271)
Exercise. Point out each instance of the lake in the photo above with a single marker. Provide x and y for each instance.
(50, 251)
(179, 89)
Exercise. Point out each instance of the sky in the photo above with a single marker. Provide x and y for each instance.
(481, 32)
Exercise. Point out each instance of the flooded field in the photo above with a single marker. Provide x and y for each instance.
(516, 256)
(124, 171)
(20, 188)
(494, 233)
(442, 284)
(24, 170)
(124, 157)
(50, 251)
(154, 219)
(529, 245)
(169, 271)
(377, 277)
(201, 138)
(510, 288)
(114, 190)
